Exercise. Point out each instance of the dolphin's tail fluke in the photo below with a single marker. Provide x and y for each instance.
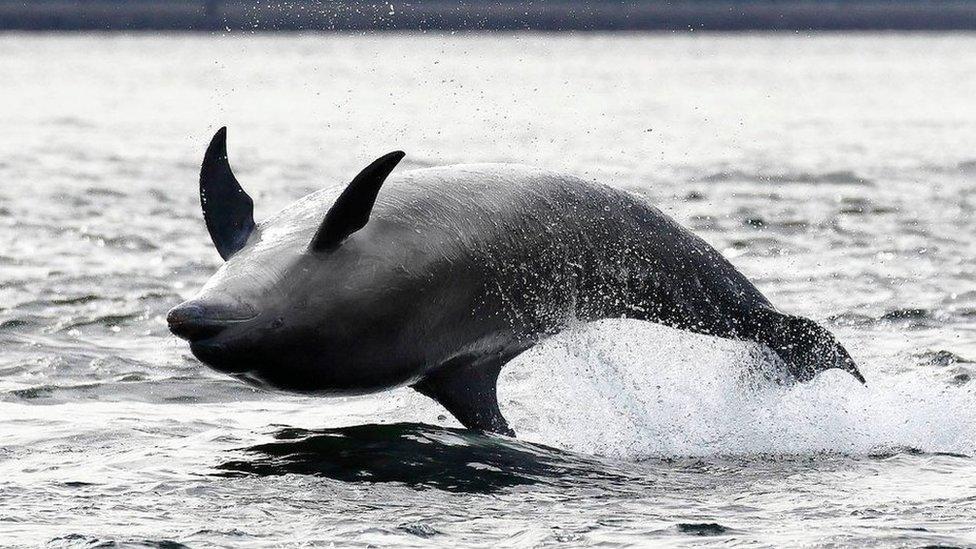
(806, 347)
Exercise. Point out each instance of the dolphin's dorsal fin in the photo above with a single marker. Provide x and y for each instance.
(467, 388)
(351, 210)
(227, 209)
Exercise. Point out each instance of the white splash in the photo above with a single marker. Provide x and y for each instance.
(631, 389)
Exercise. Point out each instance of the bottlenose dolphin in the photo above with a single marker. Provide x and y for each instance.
(450, 272)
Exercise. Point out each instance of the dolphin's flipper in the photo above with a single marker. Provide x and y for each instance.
(227, 209)
(467, 388)
(351, 210)
(806, 347)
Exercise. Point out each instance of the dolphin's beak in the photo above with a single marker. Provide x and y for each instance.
(196, 321)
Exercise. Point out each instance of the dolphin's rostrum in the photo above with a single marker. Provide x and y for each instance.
(448, 273)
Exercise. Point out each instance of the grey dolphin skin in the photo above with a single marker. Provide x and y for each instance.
(448, 273)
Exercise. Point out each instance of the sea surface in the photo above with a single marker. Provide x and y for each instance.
(838, 172)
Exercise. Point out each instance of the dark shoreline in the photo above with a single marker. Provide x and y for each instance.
(558, 15)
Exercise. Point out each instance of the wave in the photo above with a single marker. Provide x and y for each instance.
(417, 455)
(83, 540)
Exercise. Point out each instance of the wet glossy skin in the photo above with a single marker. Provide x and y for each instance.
(458, 270)
(463, 260)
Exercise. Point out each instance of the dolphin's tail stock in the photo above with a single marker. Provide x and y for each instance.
(806, 347)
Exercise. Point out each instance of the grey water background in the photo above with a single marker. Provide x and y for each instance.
(449, 15)
(837, 171)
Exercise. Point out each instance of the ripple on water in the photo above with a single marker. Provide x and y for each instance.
(840, 177)
(419, 529)
(139, 388)
(417, 455)
(967, 166)
(107, 321)
(702, 528)
(907, 314)
(14, 323)
(81, 540)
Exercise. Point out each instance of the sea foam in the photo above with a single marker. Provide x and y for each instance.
(635, 390)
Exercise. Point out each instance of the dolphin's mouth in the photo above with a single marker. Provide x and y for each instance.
(216, 355)
(214, 336)
(204, 329)
(195, 323)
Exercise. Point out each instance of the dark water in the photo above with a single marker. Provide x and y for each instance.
(836, 171)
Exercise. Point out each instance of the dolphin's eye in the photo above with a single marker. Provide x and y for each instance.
(276, 323)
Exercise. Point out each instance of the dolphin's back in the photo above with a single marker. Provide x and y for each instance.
(519, 252)
(557, 248)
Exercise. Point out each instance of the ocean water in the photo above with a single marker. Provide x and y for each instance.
(837, 171)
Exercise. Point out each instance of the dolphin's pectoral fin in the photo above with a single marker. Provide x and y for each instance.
(468, 391)
(351, 210)
(227, 209)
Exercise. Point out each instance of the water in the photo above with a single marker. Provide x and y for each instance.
(836, 171)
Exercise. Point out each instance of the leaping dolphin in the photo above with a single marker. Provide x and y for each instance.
(447, 274)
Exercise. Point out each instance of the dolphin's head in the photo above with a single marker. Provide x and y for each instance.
(234, 323)
(275, 313)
